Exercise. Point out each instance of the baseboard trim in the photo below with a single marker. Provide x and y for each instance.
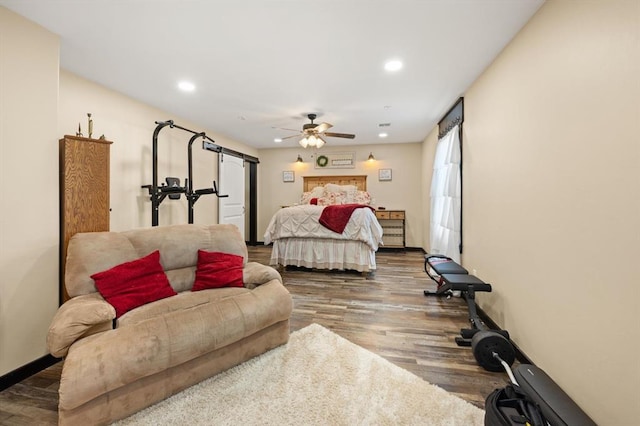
(26, 371)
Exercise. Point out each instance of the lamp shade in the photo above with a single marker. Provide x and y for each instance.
(304, 142)
(371, 157)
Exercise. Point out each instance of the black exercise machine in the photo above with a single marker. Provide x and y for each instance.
(172, 189)
(451, 277)
(532, 398)
(193, 196)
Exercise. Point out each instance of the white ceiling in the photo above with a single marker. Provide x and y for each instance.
(259, 64)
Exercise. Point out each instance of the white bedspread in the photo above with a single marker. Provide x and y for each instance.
(303, 222)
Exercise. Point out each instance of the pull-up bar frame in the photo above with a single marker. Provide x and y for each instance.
(157, 195)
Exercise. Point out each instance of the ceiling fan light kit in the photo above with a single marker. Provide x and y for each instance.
(313, 134)
(312, 141)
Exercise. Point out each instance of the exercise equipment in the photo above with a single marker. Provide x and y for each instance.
(193, 196)
(532, 398)
(172, 189)
(450, 278)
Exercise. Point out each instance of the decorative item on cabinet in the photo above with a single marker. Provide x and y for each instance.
(84, 191)
(90, 125)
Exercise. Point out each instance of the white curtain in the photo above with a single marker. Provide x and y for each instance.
(446, 197)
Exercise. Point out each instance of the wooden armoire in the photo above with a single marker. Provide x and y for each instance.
(84, 191)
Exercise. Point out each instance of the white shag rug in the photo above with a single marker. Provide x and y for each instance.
(317, 378)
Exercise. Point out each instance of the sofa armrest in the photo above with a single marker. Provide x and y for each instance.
(255, 274)
(77, 318)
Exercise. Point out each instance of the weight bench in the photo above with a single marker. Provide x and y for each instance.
(441, 265)
(484, 342)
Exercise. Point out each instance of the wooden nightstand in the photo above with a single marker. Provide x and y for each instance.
(393, 228)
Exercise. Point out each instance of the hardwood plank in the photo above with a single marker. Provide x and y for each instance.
(385, 313)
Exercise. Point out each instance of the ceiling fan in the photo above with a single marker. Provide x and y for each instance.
(313, 134)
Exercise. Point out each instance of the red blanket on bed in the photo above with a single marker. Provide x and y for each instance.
(336, 217)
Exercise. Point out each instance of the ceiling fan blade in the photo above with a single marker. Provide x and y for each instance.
(284, 128)
(340, 135)
(320, 128)
(289, 137)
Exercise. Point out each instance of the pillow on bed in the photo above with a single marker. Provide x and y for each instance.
(362, 197)
(332, 198)
(339, 194)
(316, 192)
(306, 197)
(326, 201)
(332, 187)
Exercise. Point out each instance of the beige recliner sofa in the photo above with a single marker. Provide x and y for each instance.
(113, 368)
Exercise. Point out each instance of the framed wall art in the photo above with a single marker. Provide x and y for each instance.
(288, 176)
(384, 174)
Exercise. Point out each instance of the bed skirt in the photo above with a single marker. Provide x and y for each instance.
(323, 254)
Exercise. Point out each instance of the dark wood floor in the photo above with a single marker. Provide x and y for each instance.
(386, 313)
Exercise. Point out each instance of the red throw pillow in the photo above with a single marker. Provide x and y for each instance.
(314, 201)
(134, 283)
(216, 269)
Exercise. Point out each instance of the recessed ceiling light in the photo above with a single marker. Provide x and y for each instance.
(382, 135)
(277, 140)
(186, 86)
(393, 65)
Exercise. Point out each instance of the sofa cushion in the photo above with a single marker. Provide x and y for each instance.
(184, 300)
(135, 283)
(216, 270)
(179, 244)
(91, 252)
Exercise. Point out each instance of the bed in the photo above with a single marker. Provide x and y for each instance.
(300, 239)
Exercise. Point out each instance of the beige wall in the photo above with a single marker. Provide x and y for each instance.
(29, 188)
(403, 192)
(130, 125)
(552, 198)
